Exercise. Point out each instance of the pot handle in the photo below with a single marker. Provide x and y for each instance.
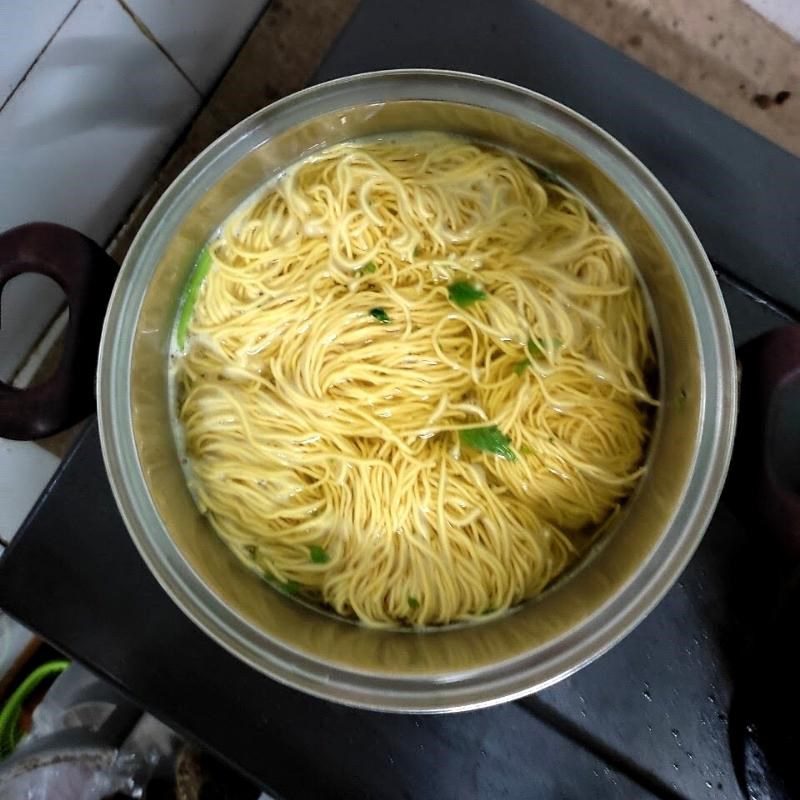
(767, 455)
(86, 273)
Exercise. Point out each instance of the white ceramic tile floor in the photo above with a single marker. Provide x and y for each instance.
(82, 135)
(25, 28)
(25, 469)
(201, 35)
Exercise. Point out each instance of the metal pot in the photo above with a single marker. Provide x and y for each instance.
(588, 610)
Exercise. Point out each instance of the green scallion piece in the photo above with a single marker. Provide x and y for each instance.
(464, 294)
(368, 269)
(201, 267)
(289, 587)
(538, 350)
(319, 555)
(413, 602)
(380, 315)
(490, 440)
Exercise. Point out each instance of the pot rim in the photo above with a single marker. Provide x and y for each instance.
(498, 682)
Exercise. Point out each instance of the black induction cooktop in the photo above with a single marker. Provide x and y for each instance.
(648, 719)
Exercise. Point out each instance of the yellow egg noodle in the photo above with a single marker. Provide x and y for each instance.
(414, 380)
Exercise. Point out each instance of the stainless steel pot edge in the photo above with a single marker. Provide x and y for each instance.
(504, 681)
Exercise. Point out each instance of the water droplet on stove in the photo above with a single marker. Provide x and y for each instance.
(708, 785)
(712, 699)
(391, 760)
(690, 755)
(483, 752)
(675, 766)
(646, 693)
(675, 733)
(650, 728)
(719, 786)
(417, 723)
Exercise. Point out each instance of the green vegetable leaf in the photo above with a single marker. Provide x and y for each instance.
(537, 348)
(380, 315)
(290, 587)
(199, 272)
(521, 366)
(319, 555)
(413, 602)
(368, 269)
(464, 294)
(489, 439)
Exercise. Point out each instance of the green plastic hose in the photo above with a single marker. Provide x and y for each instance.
(10, 732)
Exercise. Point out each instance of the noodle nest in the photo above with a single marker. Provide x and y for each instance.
(413, 384)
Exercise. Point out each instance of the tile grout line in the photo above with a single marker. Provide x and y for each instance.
(39, 55)
(150, 36)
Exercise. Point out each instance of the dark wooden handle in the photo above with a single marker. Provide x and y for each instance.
(86, 273)
(767, 456)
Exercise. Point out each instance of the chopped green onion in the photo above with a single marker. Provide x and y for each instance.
(201, 267)
(368, 269)
(464, 294)
(521, 366)
(319, 555)
(289, 587)
(413, 602)
(380, 315)
(537, 349)
(489, 439)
